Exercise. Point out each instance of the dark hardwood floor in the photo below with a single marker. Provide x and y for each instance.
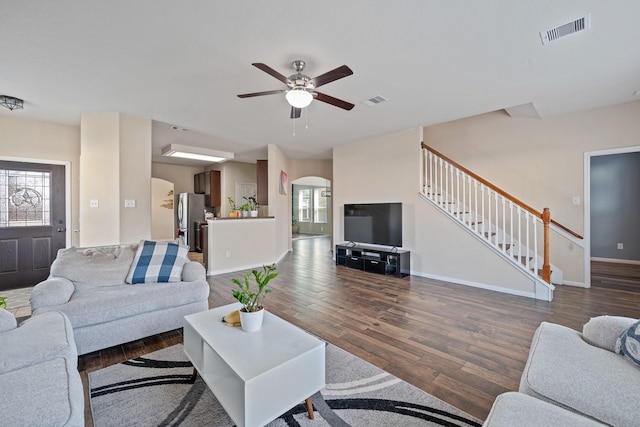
(461, 344)
(613, 275)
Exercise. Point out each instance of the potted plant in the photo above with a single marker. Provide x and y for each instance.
(244, 208)
(233, 207)
(251, 298)
(294, 225)
(3, 302)
(253, 206)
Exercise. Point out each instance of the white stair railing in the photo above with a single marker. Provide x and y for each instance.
(506, 224)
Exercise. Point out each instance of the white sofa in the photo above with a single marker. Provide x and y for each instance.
(89, 286)
(574, 376)
(39, 380)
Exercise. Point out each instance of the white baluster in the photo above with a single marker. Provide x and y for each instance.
(504, 224)
(519, 233)
(527, 237)
(535, 245)
(511, 223)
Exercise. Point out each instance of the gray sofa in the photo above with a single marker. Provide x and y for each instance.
(39, 380)
(574, 376)
(88, 286)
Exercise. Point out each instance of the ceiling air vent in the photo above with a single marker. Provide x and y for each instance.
(375, 100)
(553, 34)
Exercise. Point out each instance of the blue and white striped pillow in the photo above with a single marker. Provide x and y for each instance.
(157, 262)
(628, 343)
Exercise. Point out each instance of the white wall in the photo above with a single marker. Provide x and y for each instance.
(163, 223)
(115, 164)
(387, 169)
(181, 176)
(230, 174)
(279, 204)
(135, 178)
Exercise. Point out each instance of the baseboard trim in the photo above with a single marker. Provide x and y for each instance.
(476, 285)
(576, 284)
(616, 261)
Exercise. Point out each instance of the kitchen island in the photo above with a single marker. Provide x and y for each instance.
(240, 244)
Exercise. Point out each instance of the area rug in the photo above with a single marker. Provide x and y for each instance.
(156, 390)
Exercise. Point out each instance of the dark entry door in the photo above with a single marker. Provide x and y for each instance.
(32, 221)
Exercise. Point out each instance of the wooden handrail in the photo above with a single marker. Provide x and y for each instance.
(499, 191)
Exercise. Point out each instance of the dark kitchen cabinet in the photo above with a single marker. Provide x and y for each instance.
(262, 180)
(208, 183)
(199, 183)
(212, 195)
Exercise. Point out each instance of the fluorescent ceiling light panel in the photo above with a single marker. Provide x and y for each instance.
(196, 153)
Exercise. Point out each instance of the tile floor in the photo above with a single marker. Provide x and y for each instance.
(18, 301)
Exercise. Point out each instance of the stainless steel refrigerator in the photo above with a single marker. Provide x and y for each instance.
(190, 211)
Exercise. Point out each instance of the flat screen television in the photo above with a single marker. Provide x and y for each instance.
(374, 223)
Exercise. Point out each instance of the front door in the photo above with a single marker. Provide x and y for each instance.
(32, 221)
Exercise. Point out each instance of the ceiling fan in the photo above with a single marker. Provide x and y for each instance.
(302, 89)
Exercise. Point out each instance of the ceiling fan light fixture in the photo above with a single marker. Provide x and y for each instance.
(299, 98)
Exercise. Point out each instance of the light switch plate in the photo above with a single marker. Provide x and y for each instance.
(129, 203)
(93, 203)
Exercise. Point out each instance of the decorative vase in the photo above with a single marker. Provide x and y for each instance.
(252, 321)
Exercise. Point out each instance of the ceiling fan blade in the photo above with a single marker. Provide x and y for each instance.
(295, 112)
(334, 101)
(268, 92)
(333, 75)
(271, 71)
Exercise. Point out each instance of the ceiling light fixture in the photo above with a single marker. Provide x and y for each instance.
(11, 103)
(298, 97)
(196, 153)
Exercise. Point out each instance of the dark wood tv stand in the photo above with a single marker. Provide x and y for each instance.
(373, 259)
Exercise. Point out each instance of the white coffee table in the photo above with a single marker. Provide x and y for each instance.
(256, 376)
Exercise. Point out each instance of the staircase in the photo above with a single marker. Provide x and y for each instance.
(512, 229)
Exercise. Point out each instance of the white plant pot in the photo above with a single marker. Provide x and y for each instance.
(245, 214)
(253, 213)
(251, 322)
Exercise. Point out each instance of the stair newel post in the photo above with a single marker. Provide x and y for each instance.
(546, 267)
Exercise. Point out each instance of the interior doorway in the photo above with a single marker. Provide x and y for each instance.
(612, 233)
(311, 207)
(32, 221)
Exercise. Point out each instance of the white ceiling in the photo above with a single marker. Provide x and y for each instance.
(183, 63)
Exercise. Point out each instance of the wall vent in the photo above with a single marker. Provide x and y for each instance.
(553, 34)
(375, 100)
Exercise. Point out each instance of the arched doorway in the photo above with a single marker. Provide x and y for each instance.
(311, 207)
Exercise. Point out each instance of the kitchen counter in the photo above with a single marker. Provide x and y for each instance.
(227, 218)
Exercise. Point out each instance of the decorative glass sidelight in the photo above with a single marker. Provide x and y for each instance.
(25, 198)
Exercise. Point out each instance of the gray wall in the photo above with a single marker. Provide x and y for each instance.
(615, 206)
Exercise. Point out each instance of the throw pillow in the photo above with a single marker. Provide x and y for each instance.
(157, 262)
(628, 343)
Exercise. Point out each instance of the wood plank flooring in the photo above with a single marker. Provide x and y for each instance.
(613, 275)
(460, 344)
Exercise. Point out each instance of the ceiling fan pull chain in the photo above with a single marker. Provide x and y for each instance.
(294, 127)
